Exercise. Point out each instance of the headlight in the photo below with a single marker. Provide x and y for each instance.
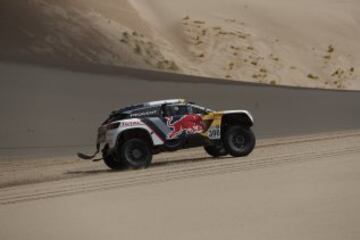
(113, 126)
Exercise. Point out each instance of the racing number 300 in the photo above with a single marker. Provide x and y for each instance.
(214, 133)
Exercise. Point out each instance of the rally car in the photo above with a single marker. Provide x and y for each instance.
(130, 136)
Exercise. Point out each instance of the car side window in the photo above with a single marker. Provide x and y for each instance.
(166, 111)
(176, 110)
(180, 110)
(197, 110)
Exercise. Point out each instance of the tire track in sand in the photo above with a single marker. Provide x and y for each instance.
(160, 174)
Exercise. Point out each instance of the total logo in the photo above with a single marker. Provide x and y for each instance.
(189, 124)
(131, 124)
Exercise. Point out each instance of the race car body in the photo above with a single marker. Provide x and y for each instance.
(131, 135)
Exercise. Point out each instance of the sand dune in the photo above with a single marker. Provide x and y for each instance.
(303, 43)
(79, 101)
(74, 31)
(299, 43)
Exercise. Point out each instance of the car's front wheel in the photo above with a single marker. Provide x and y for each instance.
(112, 162)
(136, 153)
(239, 141)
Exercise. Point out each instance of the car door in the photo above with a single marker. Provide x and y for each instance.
(182, 122)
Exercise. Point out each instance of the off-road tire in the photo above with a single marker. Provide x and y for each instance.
(216, 150)
(239, 141)
(136, 153)
(113, 163)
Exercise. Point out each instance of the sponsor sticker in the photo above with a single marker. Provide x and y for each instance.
(188, 124)
(131, 124)
(142, 114)
(214, 132)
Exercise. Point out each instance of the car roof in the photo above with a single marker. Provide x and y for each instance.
(151, 104)
(161, 102)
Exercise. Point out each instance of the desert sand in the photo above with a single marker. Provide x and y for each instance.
(297, 187)
(289, 188)
(298, 43)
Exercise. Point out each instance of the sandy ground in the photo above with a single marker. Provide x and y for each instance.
(26, 168)
(298, 43)
(289, 188)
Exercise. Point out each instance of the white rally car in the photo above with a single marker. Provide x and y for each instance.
(130, 136)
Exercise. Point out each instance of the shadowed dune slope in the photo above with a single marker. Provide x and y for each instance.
(298, 43)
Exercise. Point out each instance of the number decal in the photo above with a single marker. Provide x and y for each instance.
(214, 132)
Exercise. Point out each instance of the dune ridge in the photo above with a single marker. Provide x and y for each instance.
(297, 43)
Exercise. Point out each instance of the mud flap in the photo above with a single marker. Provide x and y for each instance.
(90, 157)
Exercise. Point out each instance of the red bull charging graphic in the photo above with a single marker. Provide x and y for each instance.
(188, 124)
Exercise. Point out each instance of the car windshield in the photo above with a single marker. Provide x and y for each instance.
(196, 109)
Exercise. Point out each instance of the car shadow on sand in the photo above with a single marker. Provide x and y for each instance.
(163, 163)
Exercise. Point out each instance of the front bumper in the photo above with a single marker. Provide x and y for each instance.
(104, 138)
(107, 137)
(101, 136)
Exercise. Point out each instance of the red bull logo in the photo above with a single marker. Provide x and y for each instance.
(189, 124)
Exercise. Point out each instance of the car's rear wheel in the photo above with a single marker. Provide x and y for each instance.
(216, 150)
(136, 153)
(239, 141)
